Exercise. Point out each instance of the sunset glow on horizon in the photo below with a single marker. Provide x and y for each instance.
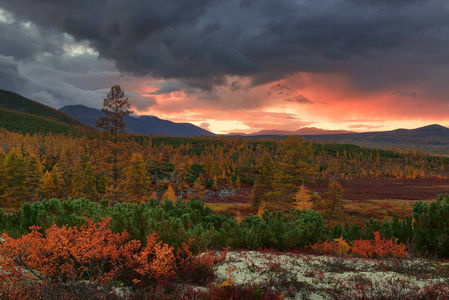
(303, 100)
(237, 66)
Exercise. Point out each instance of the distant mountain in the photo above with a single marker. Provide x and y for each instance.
(302, 131)
(23, 115)
(431, 138)
(137, 124)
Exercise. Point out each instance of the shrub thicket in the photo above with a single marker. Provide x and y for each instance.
(177, 223)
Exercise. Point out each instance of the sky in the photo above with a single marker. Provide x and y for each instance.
(236, 65)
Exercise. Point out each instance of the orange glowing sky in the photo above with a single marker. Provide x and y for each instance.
(237, 66)
(302, 100)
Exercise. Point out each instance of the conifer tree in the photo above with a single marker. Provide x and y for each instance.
(51, 186)
(333, 203)
(295, 167)
(139, 183)
(180, 173)
(33, 175)
(89, 178)
(169, 194)
(303, 198)
(48, 187)
(76, 180)
(263, 181)
(16, 177)
(238, 183)
(3, 183)
(198, 189)
(115, 108)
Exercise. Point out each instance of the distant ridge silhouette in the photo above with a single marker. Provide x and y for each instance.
(137, 124)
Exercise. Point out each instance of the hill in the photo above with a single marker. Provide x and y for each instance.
(23, 115)
(301, 131)
(137, 124)
(432, 138)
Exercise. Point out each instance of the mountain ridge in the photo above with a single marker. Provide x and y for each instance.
(20, 114)
(14, 102)
(301, 131)
(432, 138)
(144, 124)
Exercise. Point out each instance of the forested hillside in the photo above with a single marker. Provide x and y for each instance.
(23, 115)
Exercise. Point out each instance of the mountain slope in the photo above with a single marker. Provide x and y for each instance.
(301, 131)
(140, 124)
(23, 115)
(25, 123)
(431, 138)
(18, 103)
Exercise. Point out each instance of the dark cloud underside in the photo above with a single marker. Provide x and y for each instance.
(200, 42)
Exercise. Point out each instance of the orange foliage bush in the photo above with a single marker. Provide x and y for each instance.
(91, 252)
(323, 248)
(155, 261)
(95, 253)
(199, 268)
(379, 247)
(337, 246)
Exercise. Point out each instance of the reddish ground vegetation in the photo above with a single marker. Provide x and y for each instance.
(400, 189)
(363, 198)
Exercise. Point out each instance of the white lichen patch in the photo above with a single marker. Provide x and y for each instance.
(332, 277)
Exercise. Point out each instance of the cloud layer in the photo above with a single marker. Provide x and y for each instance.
(303, 57)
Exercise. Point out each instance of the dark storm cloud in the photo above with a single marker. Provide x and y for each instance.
(386, 2)
(199, 42)
(24, 43)
(166, 89)
(141, 102)
(52, 87)
(10, 78)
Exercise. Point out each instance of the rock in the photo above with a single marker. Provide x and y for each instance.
(227, 192)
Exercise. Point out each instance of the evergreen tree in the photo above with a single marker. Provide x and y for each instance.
(139, 183)
(89, 178)
(263, 181)
(33, 175)
(16, 177)
(198, 189)
(333, 203)
(115, 108)
(294, 168)
(51, 186)
(303, 198)
(180, 173)
(238, 183)
(76, 182)
(169, 195)
(3, 183)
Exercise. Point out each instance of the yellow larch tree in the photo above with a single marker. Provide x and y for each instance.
(169, 194)
(139, 183)
(51, 186)
(303, 198)
(198, 189)
(33, 175)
